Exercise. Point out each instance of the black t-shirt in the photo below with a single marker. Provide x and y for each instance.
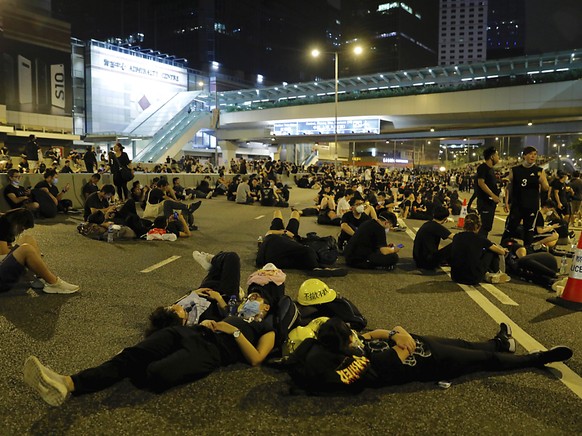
(426, 243)
(466, 252)
(156, 196)
(354, 222)
(252, 331)
(486, 173)
(88, 189)
(557, 185)
(525, 187)
(19, 191)
(369, 237)
(93, 201)
(66, 170)
(52, 188)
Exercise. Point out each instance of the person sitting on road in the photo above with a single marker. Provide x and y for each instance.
(475, 258)
(162, 192)
(48, 196)
(17, 196)
(15, 259)
(343, 203)
(339, 360)
(326, 203)
(545, 236)
(243, 192)
(540, 268)
(282, 246)
(426, 251)
(368, 249)
(352, 219)
(91, 186)
(168, 357)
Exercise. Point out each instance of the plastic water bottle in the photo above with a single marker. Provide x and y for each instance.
(110, 233)
(232, 305)
(563, 265)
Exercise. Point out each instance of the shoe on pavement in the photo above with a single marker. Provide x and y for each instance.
(47, 383)
(496, 278)
(505, 341)
(560, 353)
(203, 259)
(60, 287)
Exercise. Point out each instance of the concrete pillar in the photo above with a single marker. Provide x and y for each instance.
(228, 151)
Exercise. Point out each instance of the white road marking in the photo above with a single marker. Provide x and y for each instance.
(259, 217)
(570, 379)
(160, 264)
(502, 297)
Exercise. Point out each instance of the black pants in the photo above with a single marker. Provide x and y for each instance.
(435, 260)
(171, 205)
(121, 185)
(517, 215)
(487, 214)
(449, 358)
(374, 260)
(169, 357)
(224, 273)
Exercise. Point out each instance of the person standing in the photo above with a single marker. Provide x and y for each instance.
(31, 150)
(90, 159)
(523, 192)
(118, 161)
(487, 190)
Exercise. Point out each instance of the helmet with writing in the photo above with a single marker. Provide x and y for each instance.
(314, 291)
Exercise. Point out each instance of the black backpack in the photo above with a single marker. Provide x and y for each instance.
(325, 247)
(341, 308)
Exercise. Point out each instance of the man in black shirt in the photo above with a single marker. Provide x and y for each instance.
(523, 192)
(90, 159)
(352, 219)
(559, 194)
(99, 202)
(16, 195)
(487, 190)
(91, 186)
(426, 251)
(31, 151)
(66, 169)
(48, 196)
(368, 248)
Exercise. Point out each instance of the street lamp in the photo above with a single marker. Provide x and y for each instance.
(315, 53)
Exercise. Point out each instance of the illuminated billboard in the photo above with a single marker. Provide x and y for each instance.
(345, 126)
(121, 86)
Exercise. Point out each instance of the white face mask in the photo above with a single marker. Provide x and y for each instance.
(55, 180)
(15, 183)
(387, 230)
(360, 208)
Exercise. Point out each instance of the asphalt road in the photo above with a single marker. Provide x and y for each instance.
(70, 333)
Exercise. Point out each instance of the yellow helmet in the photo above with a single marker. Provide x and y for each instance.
(316, 323)
(295, 338)
(314, 291)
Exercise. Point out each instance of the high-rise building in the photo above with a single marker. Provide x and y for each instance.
(243, 43)
(505, 29)
(399, 35)
(462, 31)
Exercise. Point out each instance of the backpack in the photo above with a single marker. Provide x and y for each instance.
(92, 230)
(341, 308)
(325, 247)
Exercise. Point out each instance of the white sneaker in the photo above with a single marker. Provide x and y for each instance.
(47, 383)
(203, 259)
(60, 287)
(498, 277)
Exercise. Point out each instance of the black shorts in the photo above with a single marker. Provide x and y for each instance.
(10, 272)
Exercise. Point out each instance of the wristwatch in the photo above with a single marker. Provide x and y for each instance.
(236, 333)
(392, 333)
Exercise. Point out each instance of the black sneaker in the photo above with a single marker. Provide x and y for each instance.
(193, 228)
(560, 353)
(505, 341)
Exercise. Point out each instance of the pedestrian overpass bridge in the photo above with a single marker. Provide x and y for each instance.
(533, 95)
